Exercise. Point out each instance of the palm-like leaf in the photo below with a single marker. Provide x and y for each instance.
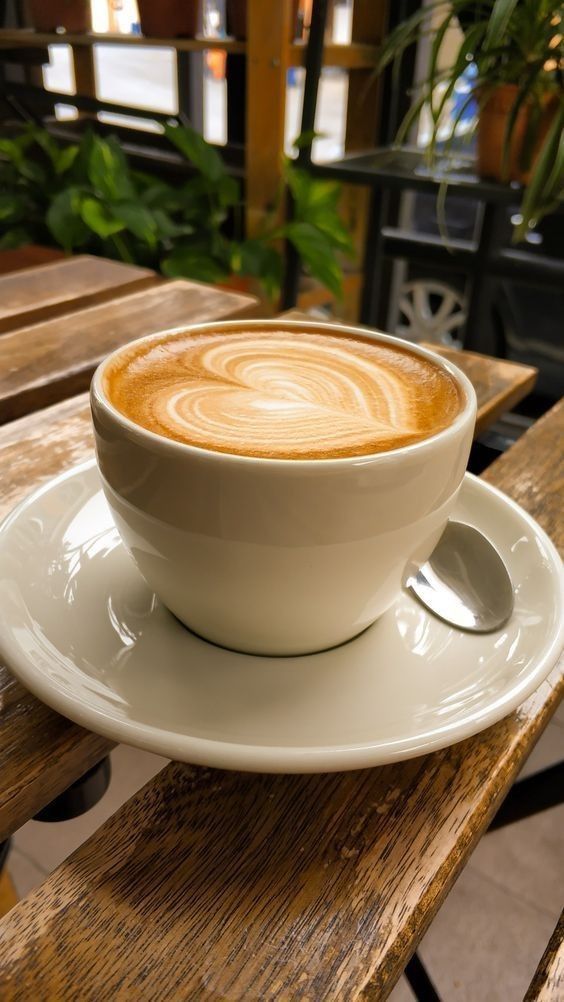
(512, 42)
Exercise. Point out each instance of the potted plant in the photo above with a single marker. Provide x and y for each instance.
(516, 48)
(87, 197)
(49, 15)
(169, 18)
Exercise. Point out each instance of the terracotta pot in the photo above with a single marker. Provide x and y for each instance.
(237, 18)
(169, 18)
(492, 122)
(72, 15)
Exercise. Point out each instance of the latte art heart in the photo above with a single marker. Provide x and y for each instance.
(287, 394)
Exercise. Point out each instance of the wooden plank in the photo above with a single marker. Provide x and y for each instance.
(45, 363)
(29, 296)
(285, 887)
(28, 257)
(548, 982)
(8, 896)
(27, 37)
(363, 103)
(41, 753)
(363, 114)
(499, 384)
(33, 450)
(356, 56)
(267, 65)
(84, 71)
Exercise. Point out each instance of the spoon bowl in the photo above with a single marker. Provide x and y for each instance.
(465, 582)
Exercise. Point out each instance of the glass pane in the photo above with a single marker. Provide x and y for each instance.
(58, 73)
(138, 76)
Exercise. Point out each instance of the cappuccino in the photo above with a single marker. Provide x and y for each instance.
(282, 393)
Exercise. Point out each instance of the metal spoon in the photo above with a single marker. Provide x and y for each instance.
(465, 582)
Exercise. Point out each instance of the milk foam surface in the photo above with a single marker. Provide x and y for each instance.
(284, 394)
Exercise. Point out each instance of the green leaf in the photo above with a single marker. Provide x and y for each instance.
(472, 39)
(163, 196)
(99, 218)
(498, 23)
(317, 202)
(13, 207)
(138, 220)
(34, 172)
(306, 139)
(108, 170)
(548, 174)
(48, 144)
(316, 254)
(14, 149)
(194, 147)
(16, 237)
(64, 219)
(191, 262)
(228, 191)
(66, 159)
(168, 228)
(257, 259)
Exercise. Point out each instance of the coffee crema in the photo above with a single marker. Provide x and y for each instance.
(282, 394)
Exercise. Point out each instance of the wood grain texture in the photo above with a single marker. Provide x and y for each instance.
(41, 753)
(268, 55)
(30, 296)
(216, 886)
(369, 23)
(47, 362)
(8, 896)
(33, 450)
(548, 982)
(28, 257)
(499, 384)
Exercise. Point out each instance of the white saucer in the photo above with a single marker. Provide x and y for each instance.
(82, 630)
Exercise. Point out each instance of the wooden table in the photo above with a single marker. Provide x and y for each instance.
(54, 357)
(213, 885)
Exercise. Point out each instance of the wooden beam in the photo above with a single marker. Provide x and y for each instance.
(268, 50)
(25, 37)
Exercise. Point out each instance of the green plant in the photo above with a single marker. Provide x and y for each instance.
(87, 197)
(517, 42)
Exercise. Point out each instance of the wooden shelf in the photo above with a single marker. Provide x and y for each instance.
(26, 36)
(354, 56)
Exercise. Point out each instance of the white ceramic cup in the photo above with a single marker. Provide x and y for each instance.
(277, 556)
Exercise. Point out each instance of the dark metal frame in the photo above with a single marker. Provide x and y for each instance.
(383, 172)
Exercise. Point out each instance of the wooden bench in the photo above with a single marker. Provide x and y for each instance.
(214, 885)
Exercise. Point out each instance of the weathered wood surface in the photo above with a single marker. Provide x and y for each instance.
(499, 384)
(41, 753)
(47, 362)
(548, 982)
(27, 257)
(33, 450)
(35, 294)
(213, 885)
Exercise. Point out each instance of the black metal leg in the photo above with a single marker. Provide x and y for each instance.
(479, 281)
(81, 796)
(420, 982)
(314, 62)
(529, 796)
(373, 260)
(4, 849)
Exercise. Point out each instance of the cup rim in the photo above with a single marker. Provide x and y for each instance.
(467, 412)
